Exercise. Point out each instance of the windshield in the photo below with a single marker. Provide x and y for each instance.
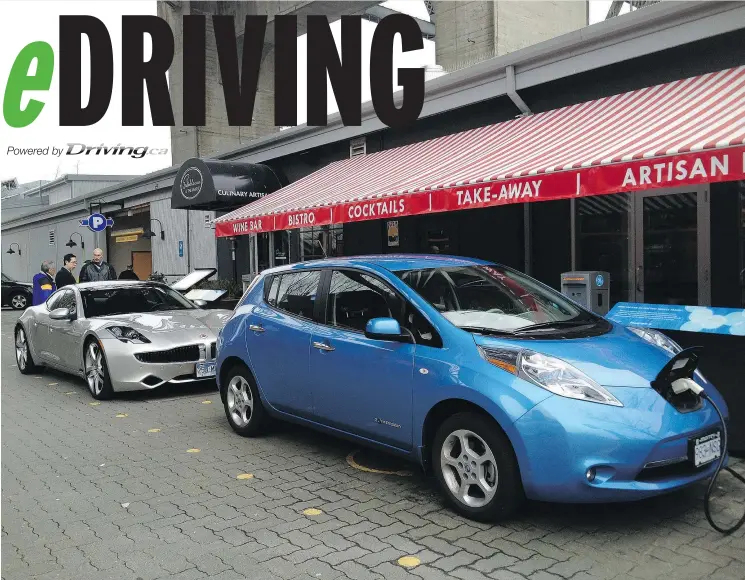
(495, 299)
(132, 299)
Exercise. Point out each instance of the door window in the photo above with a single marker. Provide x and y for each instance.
(297, 292)
(54, 299)
(355, 298)
(67, 300)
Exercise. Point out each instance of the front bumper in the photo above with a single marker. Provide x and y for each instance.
(636, 450)
(127, 373)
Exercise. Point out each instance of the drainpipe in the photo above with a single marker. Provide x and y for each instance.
(512, 92)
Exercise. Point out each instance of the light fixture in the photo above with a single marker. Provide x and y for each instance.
(12, 251)
(150, 234)
(71, 244)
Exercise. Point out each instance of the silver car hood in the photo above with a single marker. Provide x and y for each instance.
(184, 325)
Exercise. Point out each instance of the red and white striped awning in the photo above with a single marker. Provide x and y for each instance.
(685, 132)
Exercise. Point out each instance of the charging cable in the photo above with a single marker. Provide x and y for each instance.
(713, 481)
(685, 384)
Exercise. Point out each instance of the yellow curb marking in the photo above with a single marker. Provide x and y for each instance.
(121, 414)
(355, 465)
(206, 402)
(153, 430)
(409, 561)
(94, 403)
(245, 476)
(312, 512)
(192, 450)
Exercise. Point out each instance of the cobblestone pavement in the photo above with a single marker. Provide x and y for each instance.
(95, 492)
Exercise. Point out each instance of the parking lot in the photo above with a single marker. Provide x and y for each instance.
(156, 485)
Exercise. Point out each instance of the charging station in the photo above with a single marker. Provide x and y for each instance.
(589, 288)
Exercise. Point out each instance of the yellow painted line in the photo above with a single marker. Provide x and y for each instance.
(312, 512)
(409, 561)
(153, 430)
(121, 415)
(355, 465)
(206, 402)
(245, 476)
(94, 403)
(192, 450)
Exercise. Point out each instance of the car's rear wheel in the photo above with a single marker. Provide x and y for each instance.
(19, 301)
(476, 467)
(97, 371)
(24, 360)
(243, 406)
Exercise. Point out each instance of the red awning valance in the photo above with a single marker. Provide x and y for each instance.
(685, 132)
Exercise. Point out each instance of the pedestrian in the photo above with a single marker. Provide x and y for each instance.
(43, 283)
(128, 274)
(97, 270)
(64, 276)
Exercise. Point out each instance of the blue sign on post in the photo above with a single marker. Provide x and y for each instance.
(97, 222)
(674, 317)
(180, 248)
(599, 280)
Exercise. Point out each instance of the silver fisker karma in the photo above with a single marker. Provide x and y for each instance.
(120, 336)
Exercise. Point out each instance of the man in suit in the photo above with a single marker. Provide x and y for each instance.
(44, 284)
(64, 276)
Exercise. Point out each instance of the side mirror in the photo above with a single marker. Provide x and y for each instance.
(62, 314)
(200, 303)
(386, 329)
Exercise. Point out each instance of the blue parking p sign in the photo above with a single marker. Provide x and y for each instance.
(97, 222)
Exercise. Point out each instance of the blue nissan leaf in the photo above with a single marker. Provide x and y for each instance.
(496, 384)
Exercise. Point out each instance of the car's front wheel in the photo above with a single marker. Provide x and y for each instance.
(19, 301)
(476, 467)
(24, 359)
(243, 406)
(97, 371)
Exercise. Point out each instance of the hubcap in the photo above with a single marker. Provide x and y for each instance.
(21, 349)
(94, 372)
(469, 468)
(240, 401)
(18, 302)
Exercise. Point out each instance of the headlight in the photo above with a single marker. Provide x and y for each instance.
(127, 334)
(658, 339)
(550, 373)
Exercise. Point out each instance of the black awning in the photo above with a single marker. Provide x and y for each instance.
(208, 184)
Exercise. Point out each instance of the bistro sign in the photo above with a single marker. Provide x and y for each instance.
(208, 184)
(683, 169)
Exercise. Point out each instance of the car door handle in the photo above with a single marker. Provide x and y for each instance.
(323, 346)
(256, 328)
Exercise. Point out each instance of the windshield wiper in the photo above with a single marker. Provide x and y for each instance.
(554, 324)
(483, 330)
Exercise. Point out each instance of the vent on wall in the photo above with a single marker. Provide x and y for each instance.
(357, 147)
(51, 238)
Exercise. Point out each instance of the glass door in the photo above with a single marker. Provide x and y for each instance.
(671, 247)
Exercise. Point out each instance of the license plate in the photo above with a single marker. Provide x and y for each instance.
(205, 369)
(706, 448)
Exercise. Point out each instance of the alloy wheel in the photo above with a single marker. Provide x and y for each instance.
(21, 349)
(240, 401)
(19, 302)
(469, 468)
(94, 371)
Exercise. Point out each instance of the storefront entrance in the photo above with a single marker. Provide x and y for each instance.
(655, 244)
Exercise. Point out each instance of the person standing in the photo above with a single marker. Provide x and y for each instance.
(64, 276)
(97, 270)
(128, 274)
(44, 285)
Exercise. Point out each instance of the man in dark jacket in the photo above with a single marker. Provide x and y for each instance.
(128, 274)
(64, 276)
(97, 270)
(43, 284)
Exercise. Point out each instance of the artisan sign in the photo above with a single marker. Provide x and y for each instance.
(684, 169)
(207, 184)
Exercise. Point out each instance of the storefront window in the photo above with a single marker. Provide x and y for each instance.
(603, 239)
(314, 241)
(742, 248)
